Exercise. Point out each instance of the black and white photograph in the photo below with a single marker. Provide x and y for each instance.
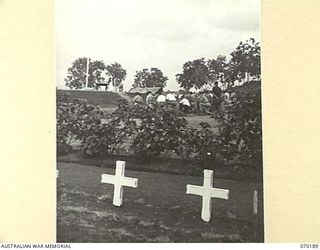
(159, 121)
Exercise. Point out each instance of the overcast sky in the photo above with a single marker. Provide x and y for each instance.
(151, 33)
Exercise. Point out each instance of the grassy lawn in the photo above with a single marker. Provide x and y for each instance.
(250, 173)
(159, 210)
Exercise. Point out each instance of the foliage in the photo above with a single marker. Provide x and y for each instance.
(149, 78)
(74, 117)
(195, 74)
(101, 139)
(153, 132)
(206, 143)
(117, 73)
(64, 126)
(150, 133)
(245, 61)
(76, 77)
(217, 68)
(241, 128)
(79, 120)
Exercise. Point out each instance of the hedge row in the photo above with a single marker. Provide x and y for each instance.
(148, 133)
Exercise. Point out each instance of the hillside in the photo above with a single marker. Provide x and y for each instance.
(110, 100)
(105, 99)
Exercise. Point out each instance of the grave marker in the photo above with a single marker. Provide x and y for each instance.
(255, 202)
(207, 191)
(255, 216)
(119, 181)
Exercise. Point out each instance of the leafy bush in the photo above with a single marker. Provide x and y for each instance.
(109, 137)
(162, 131)
(150, 133)
(79, 120)
(153, 132)
(241, 128)
(206, 143)
(74, 117)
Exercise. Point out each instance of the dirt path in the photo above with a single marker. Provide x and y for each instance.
(157, 211)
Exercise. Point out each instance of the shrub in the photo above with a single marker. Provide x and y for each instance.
(74, 117)
(150, 133)
(206, 143)
(107, 138)
(153, 132)
(240, 130)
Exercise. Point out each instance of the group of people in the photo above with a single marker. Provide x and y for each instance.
(156, 100)
(203, 102)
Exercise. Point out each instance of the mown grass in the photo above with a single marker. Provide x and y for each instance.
(158, 210)
(238, 172)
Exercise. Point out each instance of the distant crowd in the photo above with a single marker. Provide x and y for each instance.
(206, 101)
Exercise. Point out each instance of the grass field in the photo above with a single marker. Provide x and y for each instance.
(158, 210)
(172, 165)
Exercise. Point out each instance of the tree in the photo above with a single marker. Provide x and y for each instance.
(218, 69)
(195, 74)
(97, 74)
(149, 78)
(245, 61)
(77, 73)
(117, 74)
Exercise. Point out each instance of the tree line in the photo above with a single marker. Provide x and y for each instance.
(244, 64)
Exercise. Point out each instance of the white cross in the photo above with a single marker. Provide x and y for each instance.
(119, 181)
(207, 192)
